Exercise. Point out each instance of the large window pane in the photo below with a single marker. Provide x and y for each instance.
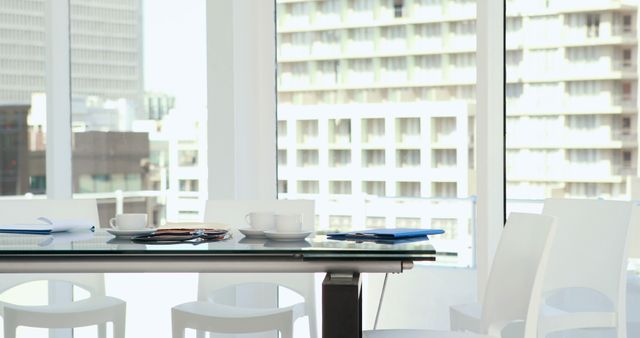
(572, 102)
(376, 105)
(138, 77)
(571, 98)
(22, 107)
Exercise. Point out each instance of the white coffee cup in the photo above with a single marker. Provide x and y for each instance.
(260, 220)
(289, 222)
(129, 222)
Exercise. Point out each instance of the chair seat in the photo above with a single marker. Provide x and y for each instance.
(466, 317)
(82, 306)
(216, 310)
(419, 334)
(90, 311)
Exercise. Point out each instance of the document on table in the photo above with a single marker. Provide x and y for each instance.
(46, 225)
(389, 234)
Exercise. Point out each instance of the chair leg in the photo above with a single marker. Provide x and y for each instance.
(102, 330)
(313, 325)
(286, 332)
(10, 324)
(10, 331)
(177, 329)
(119, 324)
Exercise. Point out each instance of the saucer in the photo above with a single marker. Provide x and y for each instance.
(254, 233)
(287, 236)
(294, 243)
(253, 240)
(130, 233)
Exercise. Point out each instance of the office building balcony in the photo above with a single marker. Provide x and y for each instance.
(321, 48)
(461, 42)
(461, 8)
(561, 104)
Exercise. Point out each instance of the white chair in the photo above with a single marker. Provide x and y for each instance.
(98, 309)
(207, 315)
(589, 253)
(633, 280)
(633, 305)
(517, 270)
(95, 310)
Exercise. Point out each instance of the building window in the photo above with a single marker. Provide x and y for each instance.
(376, 102)
(189, 185)
(308, 187)
(593, 25)
(340, 187)
(398, 7)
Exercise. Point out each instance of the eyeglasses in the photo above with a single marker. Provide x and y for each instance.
(175, 236)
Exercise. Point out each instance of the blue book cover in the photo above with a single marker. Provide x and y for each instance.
(389, 234)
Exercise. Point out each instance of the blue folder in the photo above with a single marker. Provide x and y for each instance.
(385, 234)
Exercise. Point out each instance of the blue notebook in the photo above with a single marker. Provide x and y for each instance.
(385, 234)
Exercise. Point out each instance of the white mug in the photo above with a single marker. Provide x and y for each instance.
(129, 222)
(289, 223)
(260, 220)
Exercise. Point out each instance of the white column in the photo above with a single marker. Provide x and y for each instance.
(490, 133)
(241, 127)
(241, 99)
(220, 100)
(255, 99)
(58, 153)
(58, 130)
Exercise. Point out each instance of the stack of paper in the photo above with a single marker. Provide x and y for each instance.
(47, 226)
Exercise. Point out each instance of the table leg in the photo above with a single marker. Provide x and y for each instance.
(341, 306)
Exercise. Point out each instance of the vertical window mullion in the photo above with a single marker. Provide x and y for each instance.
(58, 130)
(490, 131)
(58, 92)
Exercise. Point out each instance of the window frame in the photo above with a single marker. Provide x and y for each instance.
(242, 133)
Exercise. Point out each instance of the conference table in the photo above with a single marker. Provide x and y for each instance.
(341, 260)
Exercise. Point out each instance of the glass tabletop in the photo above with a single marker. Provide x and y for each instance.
(318, 246)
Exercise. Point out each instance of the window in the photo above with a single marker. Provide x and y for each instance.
(138, 119)
(340, 187)
(376, 188)
(627, 21)
(381, 111)
(188, 158)
(626, 58)
(23, 111)
(308, 187)
(188, 185)
(408, 158)
(308, 158)
(339, 158)
(398, 6)
(563, 116)
(282, 157)
(373, 158)
(593, 25)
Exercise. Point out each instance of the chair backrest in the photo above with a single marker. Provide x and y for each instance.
(26, 211)
(92, 282)
(634, 231)
(302, 283)
(233, 212)
(590, 248)
(520, 260)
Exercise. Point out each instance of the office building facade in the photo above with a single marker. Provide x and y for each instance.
(106, 49)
